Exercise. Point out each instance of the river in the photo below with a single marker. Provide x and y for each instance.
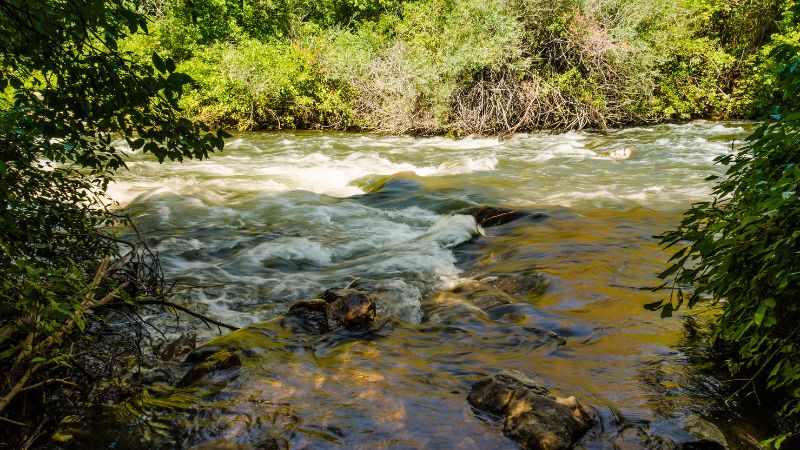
(280, 217)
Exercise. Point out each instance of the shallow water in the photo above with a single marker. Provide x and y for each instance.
(279, 217)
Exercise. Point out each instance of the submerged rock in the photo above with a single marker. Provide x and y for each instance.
(335, 308)
(215, 362)
(620, 153)
(489, 216)
(271, 443)
(691, 432)
(522, 283)
(531, 416)
(172, 350)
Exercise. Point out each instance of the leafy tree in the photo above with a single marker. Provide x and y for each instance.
(741, 252)
(71, 101)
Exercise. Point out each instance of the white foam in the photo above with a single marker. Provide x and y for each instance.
(316, 172)
(294, 249)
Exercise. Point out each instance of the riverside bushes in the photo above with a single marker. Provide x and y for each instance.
(466, 66)
(71, 96)
(741, 252)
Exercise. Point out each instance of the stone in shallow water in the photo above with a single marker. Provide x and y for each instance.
(172, 350)
(216, 362)
(489, 216)
(691, 431)
(620, 153)
(531, 416)
(522, 283)
(335, 308)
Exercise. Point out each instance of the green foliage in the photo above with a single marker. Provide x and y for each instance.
(692, 81)
(759, 86)
(741, 251)
(73, 101)
(469, 66)
(255, 85)
(404, 79)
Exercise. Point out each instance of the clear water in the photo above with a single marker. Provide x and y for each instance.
(279, 217)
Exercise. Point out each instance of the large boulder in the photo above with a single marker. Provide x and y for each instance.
(335, 308)
(531, 416)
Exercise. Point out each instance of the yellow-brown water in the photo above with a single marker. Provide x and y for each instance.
(278, 218)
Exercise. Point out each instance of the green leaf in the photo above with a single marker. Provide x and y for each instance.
(159, 63)
(758, 317)
(670, 270)
(654, 306)
(666, 311)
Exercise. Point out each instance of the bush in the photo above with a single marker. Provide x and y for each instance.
(258, 85)
(759, 87)
(404, 70)
(70, 95)
(468, 66)
(741, 252)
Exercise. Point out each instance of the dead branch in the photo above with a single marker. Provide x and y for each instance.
(202, 317)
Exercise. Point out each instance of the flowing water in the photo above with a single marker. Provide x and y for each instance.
(280, 217)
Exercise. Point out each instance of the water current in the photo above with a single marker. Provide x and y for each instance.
(279, 217)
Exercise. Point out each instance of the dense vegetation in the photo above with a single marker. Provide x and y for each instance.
(743, 252)
(467, 66)
(70, 97)
(84, 80)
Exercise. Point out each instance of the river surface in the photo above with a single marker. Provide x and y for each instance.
(280, 217)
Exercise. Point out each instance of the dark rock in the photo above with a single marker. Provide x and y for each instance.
(528, 282)
(489, 216)
(684, 433)
(348, 308)
(202, 353)
(531, 416)
(310, 315)
(691, 431)
(220, 361)
(183, 344)
(638, 437)
(335, 308)
(167, 373)
(272, 443)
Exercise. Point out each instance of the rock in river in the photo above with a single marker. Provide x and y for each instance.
(335, 308)
(489, 216)
(221, 360)
(528, 282)
(531, 416)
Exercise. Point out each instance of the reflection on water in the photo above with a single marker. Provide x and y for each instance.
(280, 217)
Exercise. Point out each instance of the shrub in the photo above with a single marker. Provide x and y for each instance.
(71, 95)
(741, 252)
(263, 85)
(469, 66)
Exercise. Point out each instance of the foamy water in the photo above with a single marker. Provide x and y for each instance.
(288, 213)
(280, 217)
